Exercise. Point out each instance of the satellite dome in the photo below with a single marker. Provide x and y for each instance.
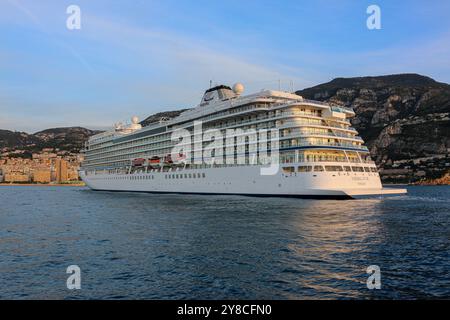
(134, 120)
(238, 88)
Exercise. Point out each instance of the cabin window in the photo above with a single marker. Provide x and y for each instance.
(373, 169)
(366, 169)
(304, 168)
(348, 169)
(358, 169)
(288, 169)
(333, 168)
(318, 168)
(203, 175)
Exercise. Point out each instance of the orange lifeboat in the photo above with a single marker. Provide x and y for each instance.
(154, 160)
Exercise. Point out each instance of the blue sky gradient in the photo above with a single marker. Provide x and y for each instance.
(140, 57)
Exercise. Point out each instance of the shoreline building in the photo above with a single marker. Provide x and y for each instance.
(61, 172)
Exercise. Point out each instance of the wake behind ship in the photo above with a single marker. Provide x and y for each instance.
(312, 149)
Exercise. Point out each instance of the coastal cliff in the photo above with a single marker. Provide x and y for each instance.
(404, 119)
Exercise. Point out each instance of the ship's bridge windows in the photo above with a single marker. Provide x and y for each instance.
(288, 169)
(319, 168)
(334, 168)
(358, 169)
(366, 169)
(304, 168)
(373, 169)
(347, 169)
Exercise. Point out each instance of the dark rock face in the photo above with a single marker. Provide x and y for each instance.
(404, 119)
(10, 139)
(70, 138)
(67, 139)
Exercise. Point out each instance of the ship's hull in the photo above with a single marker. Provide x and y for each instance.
(244, 180)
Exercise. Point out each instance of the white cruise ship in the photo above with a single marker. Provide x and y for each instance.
(271, 143)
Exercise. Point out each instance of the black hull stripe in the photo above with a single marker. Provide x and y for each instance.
(301, 196)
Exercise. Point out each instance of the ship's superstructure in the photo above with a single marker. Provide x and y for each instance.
(233, 142)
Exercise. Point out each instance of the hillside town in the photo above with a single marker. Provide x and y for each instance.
(48, 166)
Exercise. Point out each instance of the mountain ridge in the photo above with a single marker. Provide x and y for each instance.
(64, 138)
(403, 118)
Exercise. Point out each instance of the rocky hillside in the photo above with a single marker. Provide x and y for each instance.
(404, 119)
(69, 139)
(10, 139)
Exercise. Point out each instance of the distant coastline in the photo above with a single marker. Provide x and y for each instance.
(78, 184)
(443, 181)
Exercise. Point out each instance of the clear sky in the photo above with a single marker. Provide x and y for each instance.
(140, 57)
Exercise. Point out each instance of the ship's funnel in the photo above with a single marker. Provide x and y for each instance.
(216, 94)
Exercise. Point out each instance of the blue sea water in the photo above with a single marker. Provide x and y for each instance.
(145, 246)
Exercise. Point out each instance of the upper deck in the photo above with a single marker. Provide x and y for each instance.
(213, 106)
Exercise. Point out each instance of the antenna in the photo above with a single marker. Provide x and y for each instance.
(210, 84)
